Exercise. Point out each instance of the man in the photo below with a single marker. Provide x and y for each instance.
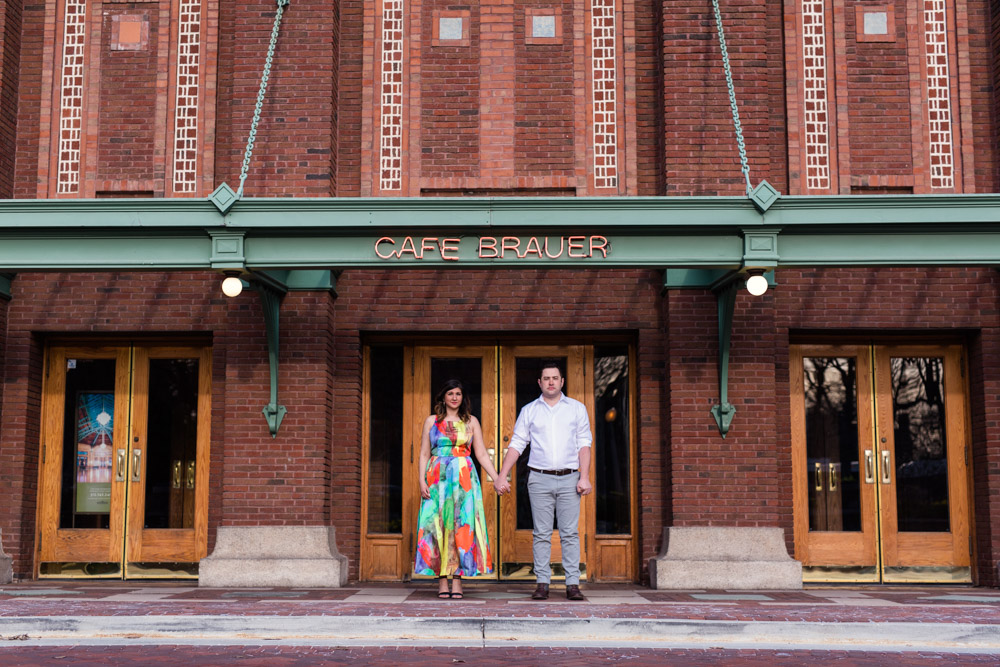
(558, 430)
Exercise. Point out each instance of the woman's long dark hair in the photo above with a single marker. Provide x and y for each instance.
(464, 409)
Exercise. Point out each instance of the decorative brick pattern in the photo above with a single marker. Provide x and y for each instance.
(391, 86)
(71, 96)
(942, 168)
(816, 120)
(604, 72)
(186, 100)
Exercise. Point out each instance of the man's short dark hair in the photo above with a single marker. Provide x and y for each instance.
(550, 363)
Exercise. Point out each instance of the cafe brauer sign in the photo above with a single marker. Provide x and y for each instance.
(492, 247)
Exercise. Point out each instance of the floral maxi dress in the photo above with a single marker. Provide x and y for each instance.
(451, 528)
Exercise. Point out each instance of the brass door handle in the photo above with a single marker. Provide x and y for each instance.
(818, 471)
(189, 476)
(869, 467)
(136, 465)
(831, 476)
(175, 475)
(120, 465)
(886, 469)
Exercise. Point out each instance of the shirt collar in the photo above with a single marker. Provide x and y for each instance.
(562, 399)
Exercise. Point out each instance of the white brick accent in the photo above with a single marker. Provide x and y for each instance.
(391, 140)
(942, 167)
(71, 96)
(186, 100)
(817, 121)
(604, 89)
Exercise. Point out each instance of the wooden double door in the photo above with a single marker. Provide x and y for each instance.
(500, 380)
(124, 451)
(880, 451)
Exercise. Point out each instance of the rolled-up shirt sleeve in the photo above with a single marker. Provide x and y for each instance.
(583, 435)
(521, 438)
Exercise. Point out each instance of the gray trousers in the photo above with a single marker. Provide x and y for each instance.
(555, 496)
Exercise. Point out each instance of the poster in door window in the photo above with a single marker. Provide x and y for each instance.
(94, 429)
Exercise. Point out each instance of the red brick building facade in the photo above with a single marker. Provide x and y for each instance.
(532, 98)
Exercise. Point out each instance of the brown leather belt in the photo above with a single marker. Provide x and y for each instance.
(558, 473)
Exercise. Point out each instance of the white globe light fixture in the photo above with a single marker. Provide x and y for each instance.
(757, 283)
(232, 285)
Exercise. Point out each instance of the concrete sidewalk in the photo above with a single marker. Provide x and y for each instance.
(883, 618)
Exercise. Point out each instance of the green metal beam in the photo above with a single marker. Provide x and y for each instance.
(5, 282)
(674, 232)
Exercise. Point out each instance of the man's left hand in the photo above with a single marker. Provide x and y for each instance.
(583, 487)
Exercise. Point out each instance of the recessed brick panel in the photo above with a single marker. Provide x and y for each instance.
(127, 138)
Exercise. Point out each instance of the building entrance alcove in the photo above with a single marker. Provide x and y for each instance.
(400, 382)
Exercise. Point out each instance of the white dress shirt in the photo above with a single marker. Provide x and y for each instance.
(556, 433)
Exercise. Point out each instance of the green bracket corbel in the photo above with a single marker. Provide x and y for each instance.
(271, 293)
(725, 294)
(5, 282)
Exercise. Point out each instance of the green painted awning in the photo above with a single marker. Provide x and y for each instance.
(655, 232)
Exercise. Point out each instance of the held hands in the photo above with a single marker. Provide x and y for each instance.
(501, 487)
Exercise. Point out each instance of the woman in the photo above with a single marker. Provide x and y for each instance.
(451, 536)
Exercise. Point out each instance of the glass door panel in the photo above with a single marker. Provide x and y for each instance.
(111, 503)
(833, 483)
(475, 367)
(923, 473)
(84, 437)
(168, 495)
(519, 386)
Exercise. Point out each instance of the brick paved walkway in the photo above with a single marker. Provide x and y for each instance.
(162, 621)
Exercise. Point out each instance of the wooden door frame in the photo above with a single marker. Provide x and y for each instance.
(423, 354)
(178, 545)
(951, 549)
(877, 412)
(517, 548)
(109, 546)
(124, 519)
(835, 549)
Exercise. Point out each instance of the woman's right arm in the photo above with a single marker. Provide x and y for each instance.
(425, 456)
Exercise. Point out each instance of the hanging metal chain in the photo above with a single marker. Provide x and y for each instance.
(744, 164)
(265, 75)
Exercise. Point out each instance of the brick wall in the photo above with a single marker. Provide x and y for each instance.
(543, 304)
(736, 481)
(127, 145)
(701, 156)
(10, 57)
(293, 150)
(254, 479)
(29, 87)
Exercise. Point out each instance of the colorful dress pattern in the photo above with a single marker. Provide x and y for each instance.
(451, 533)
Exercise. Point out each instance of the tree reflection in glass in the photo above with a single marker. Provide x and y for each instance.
(918, 413)
(830, 388)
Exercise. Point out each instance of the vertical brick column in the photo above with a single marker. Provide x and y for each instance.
(733, 481)
(10, 59)
(281, 481)
(496, 97)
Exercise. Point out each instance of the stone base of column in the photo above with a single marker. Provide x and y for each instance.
(6, 565)
(721, 557)
(293, 556)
